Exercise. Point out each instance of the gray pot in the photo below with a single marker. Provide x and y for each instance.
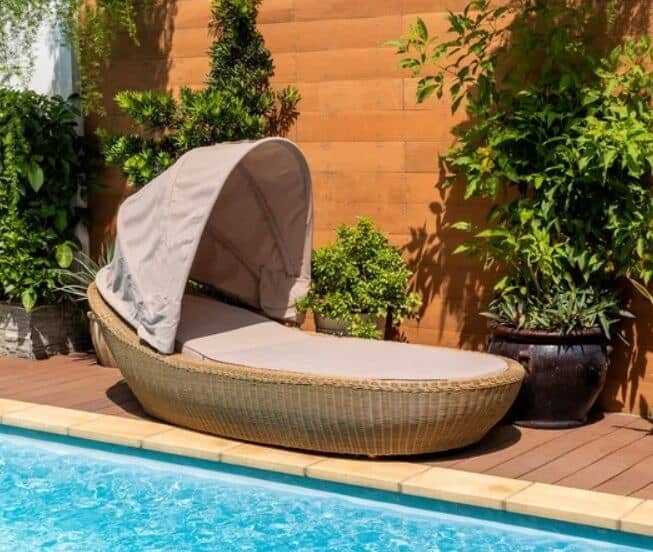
(45, 331)
(341, 327)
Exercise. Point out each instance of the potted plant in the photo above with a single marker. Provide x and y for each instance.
(559, 137)
(43, 168)
(359, 282)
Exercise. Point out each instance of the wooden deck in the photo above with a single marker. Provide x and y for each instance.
(612, 454)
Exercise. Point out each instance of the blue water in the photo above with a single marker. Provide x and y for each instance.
(61, 494)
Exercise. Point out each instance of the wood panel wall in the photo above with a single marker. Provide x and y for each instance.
(373, 151)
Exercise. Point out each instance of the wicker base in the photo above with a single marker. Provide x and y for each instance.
(303, 411)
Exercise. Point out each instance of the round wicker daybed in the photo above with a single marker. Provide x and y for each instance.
(238, 217)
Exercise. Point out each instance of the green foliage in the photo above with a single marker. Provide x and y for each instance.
(563, 311)
(238, 102)
(242, 66)
(363, 327)
(73, 282)
(170, 128)
(360, 274)
(43, 165)
(89, 27)
(560, 137)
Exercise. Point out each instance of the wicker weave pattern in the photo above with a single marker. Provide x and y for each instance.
(326, 414)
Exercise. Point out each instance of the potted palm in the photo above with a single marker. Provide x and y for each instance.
(359, 284)
(559, 138)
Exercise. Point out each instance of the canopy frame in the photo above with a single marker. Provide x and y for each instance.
(237, 216)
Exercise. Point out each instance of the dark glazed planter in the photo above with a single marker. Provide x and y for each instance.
(564, 374)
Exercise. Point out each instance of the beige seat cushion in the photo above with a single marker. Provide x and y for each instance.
(209, 328)
(212, 330)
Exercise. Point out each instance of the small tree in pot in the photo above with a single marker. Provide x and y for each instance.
(358, 282)
(560, 137)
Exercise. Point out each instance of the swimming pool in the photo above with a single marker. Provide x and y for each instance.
(62, 494)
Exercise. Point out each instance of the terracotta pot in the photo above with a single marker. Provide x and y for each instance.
(341, 327)
(102, 351)
(564, 373)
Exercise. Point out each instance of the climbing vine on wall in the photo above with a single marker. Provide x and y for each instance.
(88, 27)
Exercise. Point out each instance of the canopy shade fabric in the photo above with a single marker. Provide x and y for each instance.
(237, 216)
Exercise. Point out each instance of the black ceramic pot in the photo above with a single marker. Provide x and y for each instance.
(564, 374)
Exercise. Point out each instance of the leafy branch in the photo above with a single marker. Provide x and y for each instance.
(560, 137)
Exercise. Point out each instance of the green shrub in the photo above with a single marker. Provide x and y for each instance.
(238, 102)
(360, 274)
(560, 137)
(43, 166)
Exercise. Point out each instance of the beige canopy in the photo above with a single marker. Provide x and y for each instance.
(237, 216)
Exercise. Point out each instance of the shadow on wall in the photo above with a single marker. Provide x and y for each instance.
(462, 288)
(143, 67)
(623, 387)
(457, 281)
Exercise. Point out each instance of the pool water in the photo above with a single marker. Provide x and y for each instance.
(61, 494)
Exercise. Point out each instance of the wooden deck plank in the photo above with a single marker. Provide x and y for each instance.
(130, 409)
(554, 449)
(42, 378)
(631, 480)
(501, 437)
(611, 465)
(14, 375)
(527, 440)
(52, 386)
(93, 404)
(586, 455)
(646, 492)
(614, 454)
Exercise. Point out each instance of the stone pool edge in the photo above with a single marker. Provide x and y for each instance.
(608, 511)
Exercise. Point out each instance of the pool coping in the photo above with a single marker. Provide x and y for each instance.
(579, 506)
